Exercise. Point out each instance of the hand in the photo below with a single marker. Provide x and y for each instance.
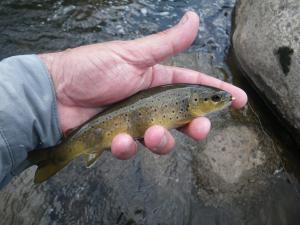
(90, 77)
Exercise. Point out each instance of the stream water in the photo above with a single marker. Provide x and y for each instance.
(37, 26)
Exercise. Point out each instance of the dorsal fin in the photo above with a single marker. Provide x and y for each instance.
(70, 132)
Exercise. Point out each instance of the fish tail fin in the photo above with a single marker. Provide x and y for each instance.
(36, 157)
(46, 167)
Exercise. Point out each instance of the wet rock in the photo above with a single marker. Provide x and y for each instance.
(267, 47)
(232, 152)
(233, 177)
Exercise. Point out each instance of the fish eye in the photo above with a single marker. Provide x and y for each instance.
(216, 98)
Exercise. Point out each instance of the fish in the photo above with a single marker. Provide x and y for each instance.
(171, 106)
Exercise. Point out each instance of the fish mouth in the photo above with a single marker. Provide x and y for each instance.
(227, 96)
(227, 99)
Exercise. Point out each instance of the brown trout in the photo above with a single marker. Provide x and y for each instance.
(171, 106)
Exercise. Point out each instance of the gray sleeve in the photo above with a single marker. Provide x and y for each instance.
(28, 115)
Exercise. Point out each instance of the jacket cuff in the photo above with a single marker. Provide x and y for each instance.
(28, 113)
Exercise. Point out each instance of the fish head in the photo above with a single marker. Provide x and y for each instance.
(205, 100)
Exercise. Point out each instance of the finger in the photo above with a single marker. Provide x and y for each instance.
(162, 75)
(157, 47)
(159, 140)
(123, 146)
(198, 129)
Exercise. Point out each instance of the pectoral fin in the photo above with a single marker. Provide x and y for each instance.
(91, 158)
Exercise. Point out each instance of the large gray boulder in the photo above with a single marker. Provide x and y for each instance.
(266, 43)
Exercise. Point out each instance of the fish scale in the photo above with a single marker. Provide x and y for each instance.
(171, 106)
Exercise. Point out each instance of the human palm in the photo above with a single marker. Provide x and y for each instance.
(89, 78)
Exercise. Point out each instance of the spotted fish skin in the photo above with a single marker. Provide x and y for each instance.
(171, 106)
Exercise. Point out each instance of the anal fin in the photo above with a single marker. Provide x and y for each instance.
(47, 170)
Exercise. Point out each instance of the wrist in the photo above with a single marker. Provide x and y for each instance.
(50, 60)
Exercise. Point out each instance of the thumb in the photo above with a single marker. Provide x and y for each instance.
(153, 49)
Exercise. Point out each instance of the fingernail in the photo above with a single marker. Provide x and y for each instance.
(163, 142)
(184, 19)
(134, 146)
